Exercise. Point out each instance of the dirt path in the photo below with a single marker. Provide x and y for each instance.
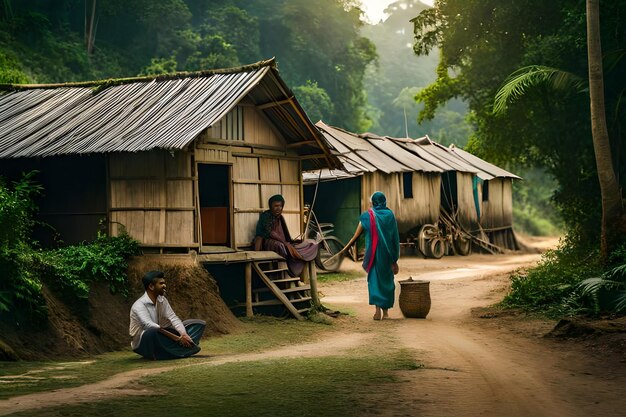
(473, 366)
(121, 384)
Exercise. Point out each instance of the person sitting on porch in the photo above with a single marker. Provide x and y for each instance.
(156, 331)
(272, 235)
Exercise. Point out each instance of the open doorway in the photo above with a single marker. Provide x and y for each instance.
(214, 192)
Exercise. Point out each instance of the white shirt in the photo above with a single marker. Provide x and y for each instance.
(145, 314)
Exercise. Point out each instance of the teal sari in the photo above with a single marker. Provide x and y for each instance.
(382, 249)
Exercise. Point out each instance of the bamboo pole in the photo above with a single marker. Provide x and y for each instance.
(315, 299)
(348, 245)
(248, 277)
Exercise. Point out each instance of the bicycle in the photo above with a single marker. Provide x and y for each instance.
(328, 245)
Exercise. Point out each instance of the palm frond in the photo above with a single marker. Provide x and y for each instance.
(528, 78)
(617, 274)
(591, 285)
(621, 302)
(613, 281)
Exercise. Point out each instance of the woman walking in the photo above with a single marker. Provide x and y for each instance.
(382, 250)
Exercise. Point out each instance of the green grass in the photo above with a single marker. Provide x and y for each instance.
(254, 335)
(294, 387)
(18, 378)
(262, 333)
(339, 276)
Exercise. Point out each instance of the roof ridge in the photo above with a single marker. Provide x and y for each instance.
(129, 80)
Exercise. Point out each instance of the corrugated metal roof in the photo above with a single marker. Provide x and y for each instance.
(369, 153)
(483, 165)
(311, 177)
(141, 114)
(438, 156)
(393, 149)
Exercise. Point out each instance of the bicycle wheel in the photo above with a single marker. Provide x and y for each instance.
(329, 246)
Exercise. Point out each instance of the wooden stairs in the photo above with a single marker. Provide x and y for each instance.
(280, 288)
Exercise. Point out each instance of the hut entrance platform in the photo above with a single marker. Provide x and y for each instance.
(265, 280)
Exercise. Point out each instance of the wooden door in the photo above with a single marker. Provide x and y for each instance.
(214, 187)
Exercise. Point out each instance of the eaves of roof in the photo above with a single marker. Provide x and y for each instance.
(145, 113)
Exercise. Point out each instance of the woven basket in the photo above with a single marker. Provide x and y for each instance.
(414, 298)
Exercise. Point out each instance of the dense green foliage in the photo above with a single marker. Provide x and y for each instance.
(552, 288)
(561, 284)
(533, 209)
(483, 42)
(69, 270)
(485, 48)
(315, 44)
(398, 75)
(20, 288)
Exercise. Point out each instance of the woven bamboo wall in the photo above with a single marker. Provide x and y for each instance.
(410, 212)
(467, 215)
(248, 142)
(497, 210)
(152, 195)
(258, 130)
(255, 180)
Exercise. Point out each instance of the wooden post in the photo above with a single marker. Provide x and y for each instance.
(315, 300)
(306, 276)
(248, 276)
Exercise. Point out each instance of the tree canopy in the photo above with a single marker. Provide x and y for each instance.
(315, 43)
(484, 42)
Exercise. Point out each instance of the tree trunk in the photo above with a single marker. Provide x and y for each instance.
(610, 191)
(90, 31)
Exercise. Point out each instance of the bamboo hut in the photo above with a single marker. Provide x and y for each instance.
(412, 184)
(494, 198)
(180, 162)
(457, 182)
(183, 163)
(424, 183)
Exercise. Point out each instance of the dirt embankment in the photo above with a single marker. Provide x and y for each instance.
(101, 323)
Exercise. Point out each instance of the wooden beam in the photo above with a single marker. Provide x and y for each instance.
(313, 156)
(273, 104)
(262, 182)
(303, 143)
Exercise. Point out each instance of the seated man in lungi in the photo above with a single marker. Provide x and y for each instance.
(156, 330)
(272, 235)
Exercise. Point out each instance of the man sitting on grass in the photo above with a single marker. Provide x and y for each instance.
(156, 330)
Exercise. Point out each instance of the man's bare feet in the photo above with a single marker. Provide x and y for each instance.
(377, 315)
(385, 313)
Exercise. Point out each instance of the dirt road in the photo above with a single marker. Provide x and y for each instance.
(472, 366)
(480, 367)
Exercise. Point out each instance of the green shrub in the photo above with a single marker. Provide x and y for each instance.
(552, 288)
(70, 270)
(20, 288)
(73, 268)
(607, 291)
